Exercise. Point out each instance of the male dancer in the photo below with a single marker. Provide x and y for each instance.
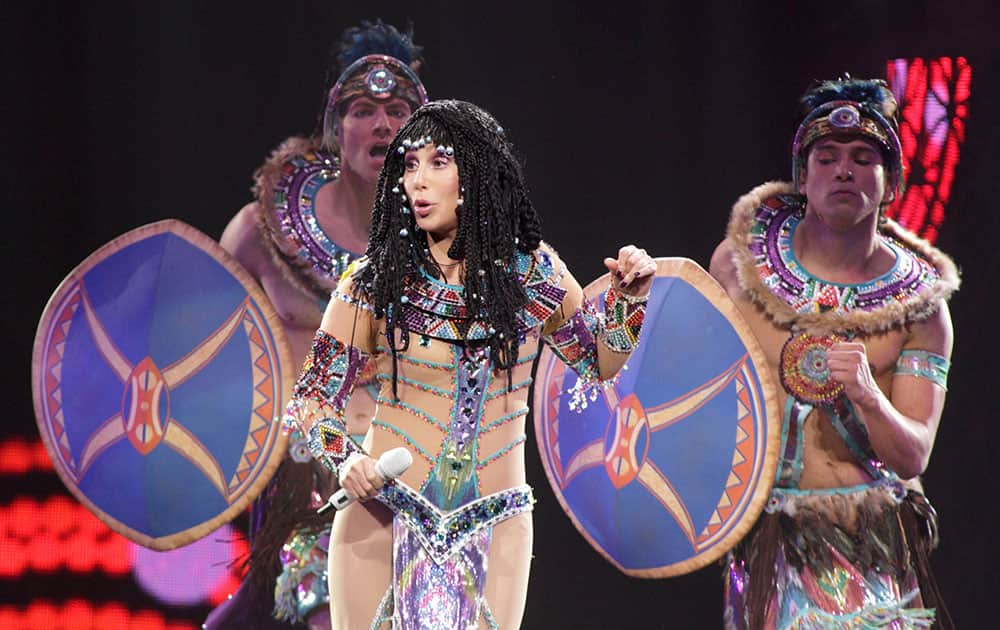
(309, 220)
(851, 311)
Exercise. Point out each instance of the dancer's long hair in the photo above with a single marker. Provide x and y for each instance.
(495, 220)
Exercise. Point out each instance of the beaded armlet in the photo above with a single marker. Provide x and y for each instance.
(575, 340)
(924, 364)
(320, 397)
(623, 316)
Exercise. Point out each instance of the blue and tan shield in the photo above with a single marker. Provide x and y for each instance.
(158, 372)
(664, 471)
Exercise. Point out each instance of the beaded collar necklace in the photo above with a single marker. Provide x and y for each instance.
(776, 267)
(295, 207)
(437, 309)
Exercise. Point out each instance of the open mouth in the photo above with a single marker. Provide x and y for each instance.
(379, 151)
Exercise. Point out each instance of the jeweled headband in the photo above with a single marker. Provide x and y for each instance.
(380, 78)
(847, 118)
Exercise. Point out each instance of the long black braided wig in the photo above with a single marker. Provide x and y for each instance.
(495, 221)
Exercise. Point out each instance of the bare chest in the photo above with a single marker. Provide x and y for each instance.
(301, 313)
(827, 460)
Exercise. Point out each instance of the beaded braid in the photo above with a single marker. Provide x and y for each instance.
(495, 221)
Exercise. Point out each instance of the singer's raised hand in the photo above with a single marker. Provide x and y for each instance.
(360, 478)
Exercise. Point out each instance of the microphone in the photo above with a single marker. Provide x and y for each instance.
(390, 465)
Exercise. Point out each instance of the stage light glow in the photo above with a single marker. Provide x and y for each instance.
(186, 575)
(77, 614)
(933, 99)
(57, 536)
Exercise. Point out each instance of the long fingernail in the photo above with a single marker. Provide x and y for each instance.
(622, 284)
(619, 274)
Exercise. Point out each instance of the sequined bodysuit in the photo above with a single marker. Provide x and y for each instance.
(461, 418)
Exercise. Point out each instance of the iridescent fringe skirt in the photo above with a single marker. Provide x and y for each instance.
(829, 559)
(302, 585)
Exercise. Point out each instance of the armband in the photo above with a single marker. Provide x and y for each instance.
(924, 364)
(623, 316)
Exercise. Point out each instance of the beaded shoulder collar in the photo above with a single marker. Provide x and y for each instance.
(761, 228)
(437, 309)
(286, 187)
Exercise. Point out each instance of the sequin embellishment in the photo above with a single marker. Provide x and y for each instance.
(771, 246)
(443, 533)
(804, 370)
(295, 206)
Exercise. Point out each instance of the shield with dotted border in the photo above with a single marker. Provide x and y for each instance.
(667, 469)
(158, 373)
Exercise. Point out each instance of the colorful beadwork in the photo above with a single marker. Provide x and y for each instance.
(295, 206)
(355, 301)
(298, 447)
(443, 533)
(436, 309)
(805, 395)
(771, 246)
(320, 397)
(302, 586)
(924, 364)
(440, 557)
(575, 344)
(453, 481)
(804, 370)
(623, 316)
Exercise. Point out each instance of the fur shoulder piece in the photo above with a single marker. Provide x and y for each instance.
(285, 187)
(760, 230)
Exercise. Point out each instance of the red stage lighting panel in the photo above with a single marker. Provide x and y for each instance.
(933, 97)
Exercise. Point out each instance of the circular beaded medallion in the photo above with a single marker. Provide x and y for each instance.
(804, 370)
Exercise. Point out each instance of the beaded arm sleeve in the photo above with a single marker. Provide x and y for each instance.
(320, 398)
(575, 340)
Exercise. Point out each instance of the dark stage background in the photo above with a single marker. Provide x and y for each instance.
(639, 123)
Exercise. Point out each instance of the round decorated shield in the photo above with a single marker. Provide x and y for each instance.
(665, 470)
(158, 372)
